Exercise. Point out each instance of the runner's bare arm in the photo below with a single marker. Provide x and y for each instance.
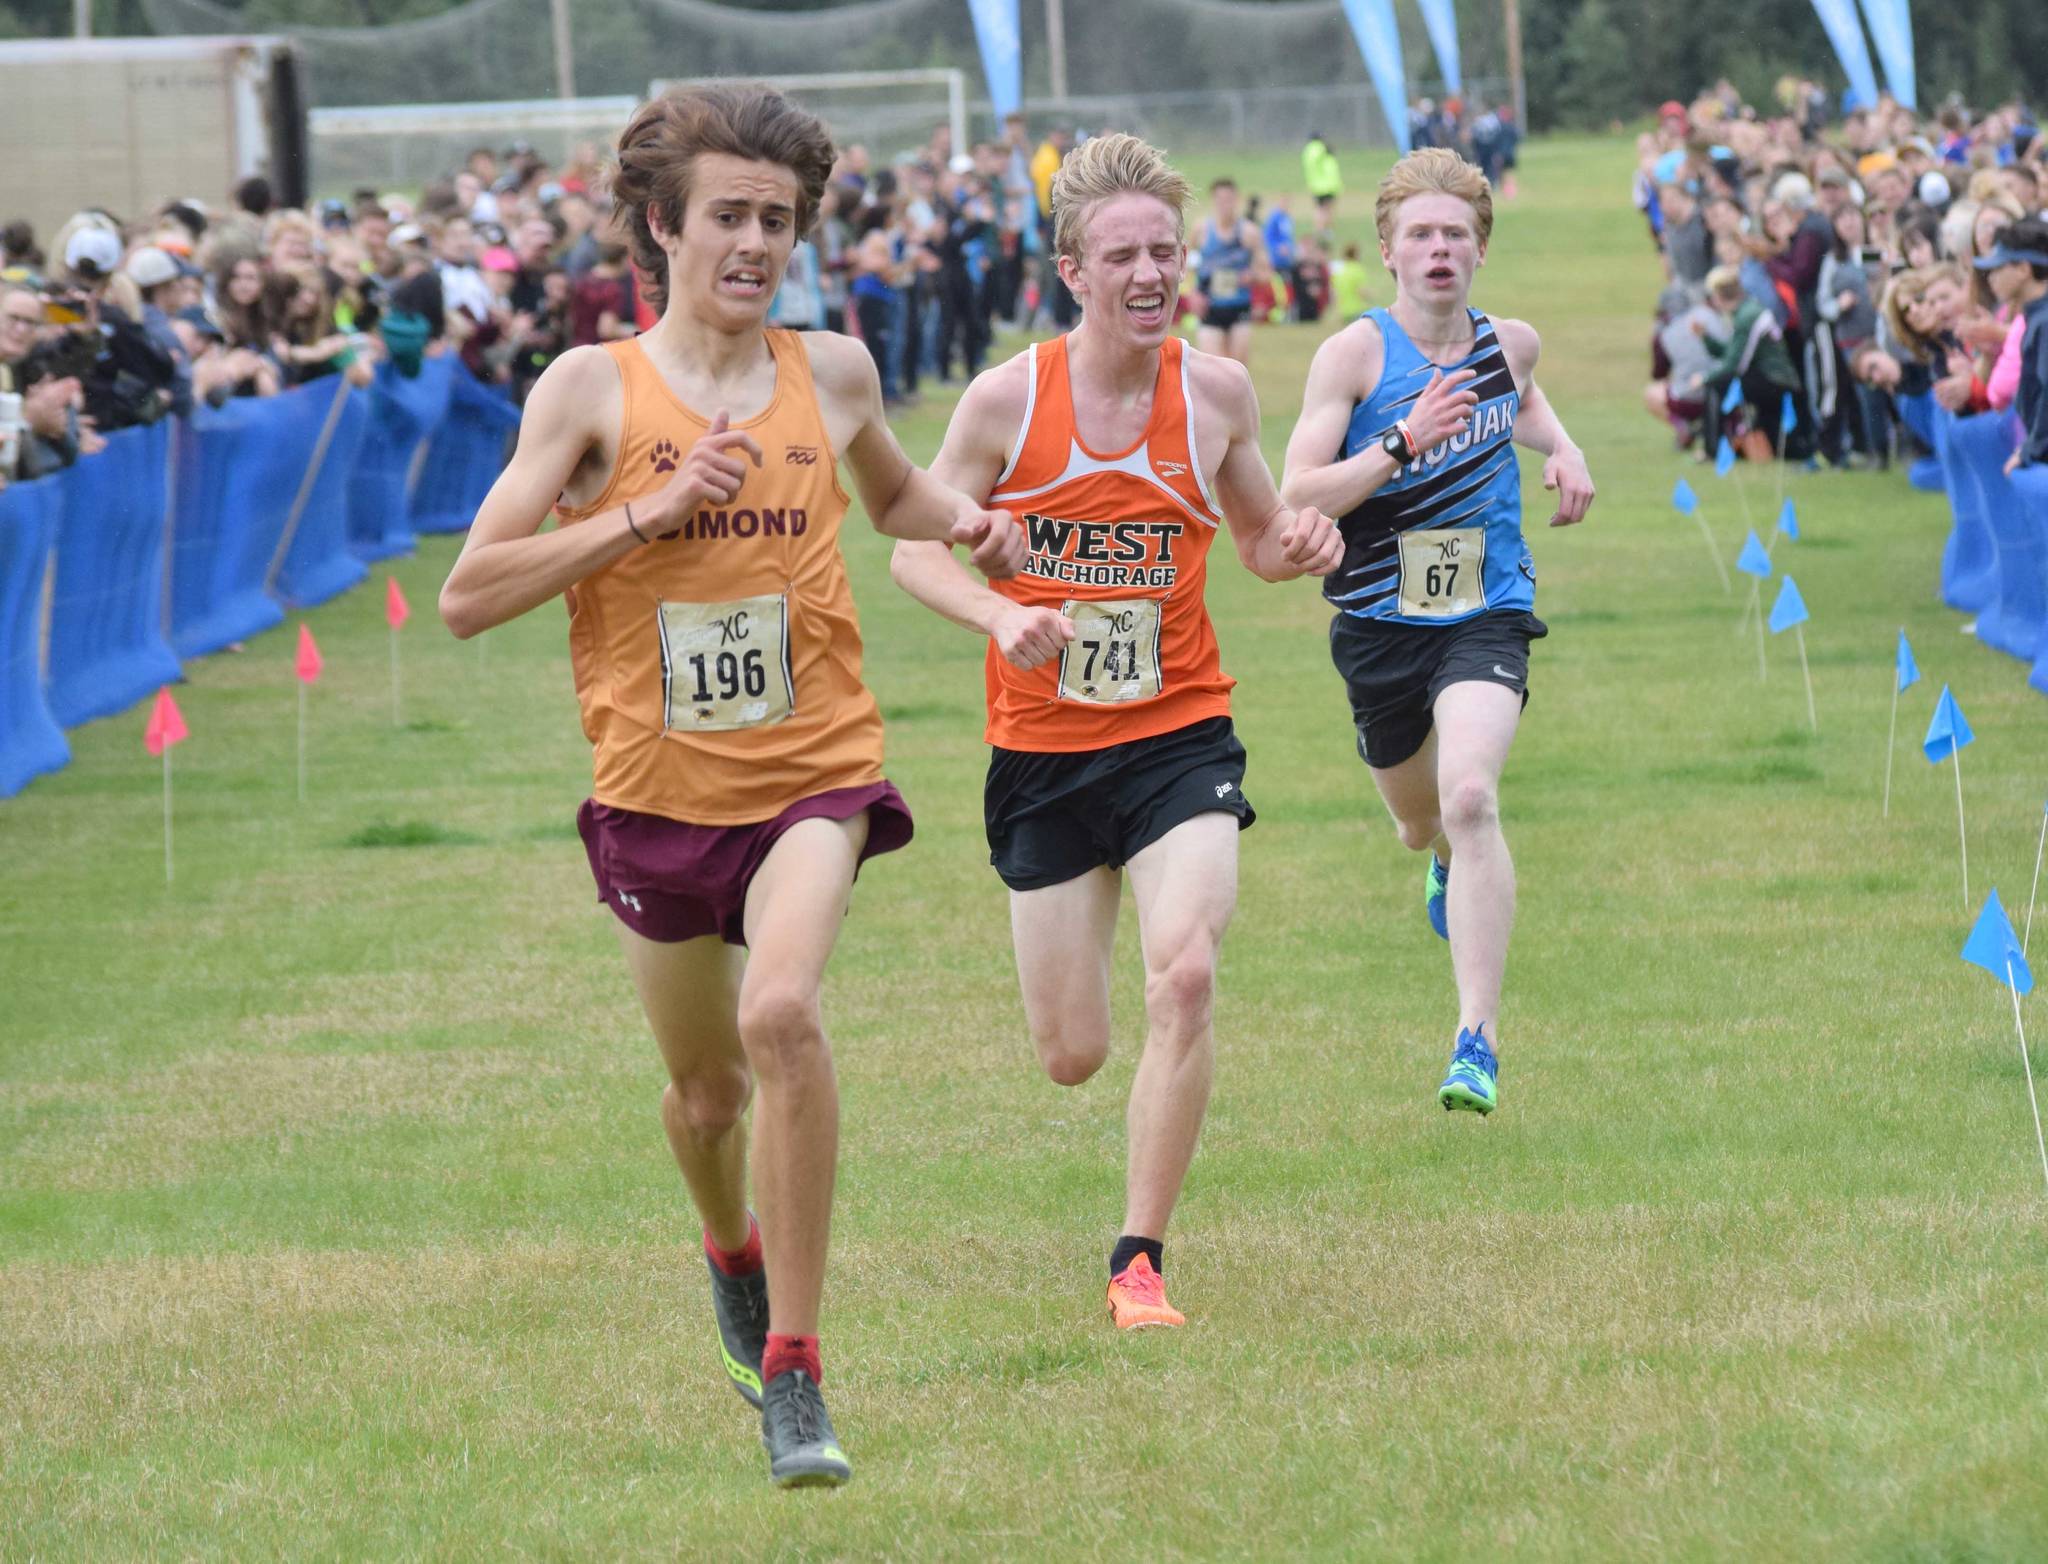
(507, 565)
(1538, 427)
(903, 500)
(1276, 541)
(985, 423)
(1346, 370)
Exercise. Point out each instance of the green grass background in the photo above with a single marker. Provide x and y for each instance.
(336, 1219)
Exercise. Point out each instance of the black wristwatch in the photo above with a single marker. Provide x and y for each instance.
(1396, 443)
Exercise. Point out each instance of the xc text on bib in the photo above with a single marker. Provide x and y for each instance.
(725, 665)
(1114, 655)
(1443, 572)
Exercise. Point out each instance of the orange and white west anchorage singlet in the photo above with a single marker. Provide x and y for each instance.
(1120, 545)
(719, 670)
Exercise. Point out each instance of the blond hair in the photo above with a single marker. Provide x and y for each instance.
(1105, 166)
(1434, 171)
(1909, 288)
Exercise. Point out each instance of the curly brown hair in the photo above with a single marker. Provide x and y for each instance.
(658, 152)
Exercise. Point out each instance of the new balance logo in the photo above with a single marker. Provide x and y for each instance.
(800, 455)
(1223, 789)
(1171, 469)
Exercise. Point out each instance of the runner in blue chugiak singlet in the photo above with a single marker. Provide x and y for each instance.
(1407, 433)
(1225, 248)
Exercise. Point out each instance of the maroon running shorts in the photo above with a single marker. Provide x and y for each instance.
(670, 881)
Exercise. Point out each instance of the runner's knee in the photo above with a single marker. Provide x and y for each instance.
(1071, 1045)
(707, 1103)
(1071, 1056)
(1471, 804)
(780, 1025)
(1181, 993)
(1418, 834)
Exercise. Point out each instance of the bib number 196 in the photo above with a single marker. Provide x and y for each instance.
(1114, 656)
(726, 665)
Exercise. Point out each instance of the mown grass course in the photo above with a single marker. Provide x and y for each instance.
(336, 1219)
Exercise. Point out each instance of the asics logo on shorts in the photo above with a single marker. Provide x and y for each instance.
(1223, 789)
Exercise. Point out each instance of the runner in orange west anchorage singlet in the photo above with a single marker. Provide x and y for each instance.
(737, 756)
(1120, 452)
(1119, 544)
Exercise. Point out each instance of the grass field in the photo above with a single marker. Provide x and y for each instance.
(336, 1219)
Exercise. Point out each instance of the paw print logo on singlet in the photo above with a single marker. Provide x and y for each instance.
(663, 456)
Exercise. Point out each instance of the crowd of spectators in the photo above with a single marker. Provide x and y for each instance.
(509, 261)
(112, 323)
(1486, 136)
(1819, 270)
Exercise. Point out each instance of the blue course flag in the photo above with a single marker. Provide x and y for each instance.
(1753, 561)
(1788, 417)
(1948, 731)
(1683, 498)
(1789, 610)
(1788, 520)
(1909, 671)
(1732, 399)
(1992, 945)
(1724, 459)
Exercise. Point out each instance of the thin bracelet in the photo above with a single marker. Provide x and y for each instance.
(633, 529)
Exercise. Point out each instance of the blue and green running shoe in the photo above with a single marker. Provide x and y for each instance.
(1436, 885)
(1473, 1081)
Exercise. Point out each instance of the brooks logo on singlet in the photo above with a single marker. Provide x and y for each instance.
(1470, 481)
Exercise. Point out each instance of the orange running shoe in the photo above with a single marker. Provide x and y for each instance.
(1137, 1298)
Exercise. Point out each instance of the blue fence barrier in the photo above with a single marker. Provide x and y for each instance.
(403, 412)
(318, 563)
(184, 537)
(464, 457)
(236, 470)
(1996, 561)
(30, 740)
(107, 648)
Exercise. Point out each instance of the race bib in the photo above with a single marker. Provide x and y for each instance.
(1443, 572)
(1224, 281)
(1114, 655)
(725, 665)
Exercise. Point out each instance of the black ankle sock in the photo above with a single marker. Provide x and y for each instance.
(1128, 1249)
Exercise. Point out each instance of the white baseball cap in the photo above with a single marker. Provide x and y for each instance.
(152, 266)
(97, 250)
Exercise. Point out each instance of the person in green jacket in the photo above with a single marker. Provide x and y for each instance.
(1752, 352)
(1319, 173)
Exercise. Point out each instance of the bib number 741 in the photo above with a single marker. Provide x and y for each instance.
(1114, 656)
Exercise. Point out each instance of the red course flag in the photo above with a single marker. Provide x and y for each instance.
(166, 724)
(396, 610)
(308, 664)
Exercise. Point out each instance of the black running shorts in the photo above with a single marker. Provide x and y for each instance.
(1053, 817)
(1394, 672)
(1226, 316)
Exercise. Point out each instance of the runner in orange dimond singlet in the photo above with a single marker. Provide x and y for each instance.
(737, 756)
